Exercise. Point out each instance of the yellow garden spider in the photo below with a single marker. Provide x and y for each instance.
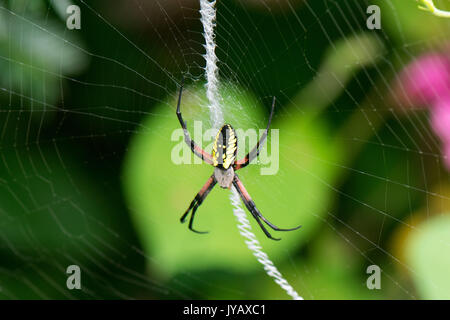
(223, 158)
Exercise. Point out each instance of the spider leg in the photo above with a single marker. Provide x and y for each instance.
(255, 151)
(201, 195)
(236, 185)
(262, 227)
(199, 152)
(253, 210)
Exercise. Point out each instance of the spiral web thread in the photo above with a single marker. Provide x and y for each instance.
(208, 18)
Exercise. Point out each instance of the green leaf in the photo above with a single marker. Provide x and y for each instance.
(49, 204)
(34, 56)
(428, 253)
(159, 191)
(400, 18)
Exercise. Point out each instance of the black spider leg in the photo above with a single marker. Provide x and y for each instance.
(250, 208)
(254, 211)
(256, 150)
(201, 195)
(199, 152)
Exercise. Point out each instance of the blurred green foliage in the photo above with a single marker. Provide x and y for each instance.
(85, 172)
(402, 19)
(428, 253)
(34, 52)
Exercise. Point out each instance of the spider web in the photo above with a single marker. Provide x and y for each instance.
(67, 119)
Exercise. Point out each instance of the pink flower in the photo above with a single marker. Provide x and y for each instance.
(424, 81)
(440, 119)
(446, 155)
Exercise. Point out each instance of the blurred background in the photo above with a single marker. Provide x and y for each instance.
(86, 123)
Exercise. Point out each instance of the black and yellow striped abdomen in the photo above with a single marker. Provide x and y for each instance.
(225, 147)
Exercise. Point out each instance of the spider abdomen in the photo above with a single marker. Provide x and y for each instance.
(225, 147)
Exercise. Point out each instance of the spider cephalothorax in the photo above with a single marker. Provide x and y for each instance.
(223, 158)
